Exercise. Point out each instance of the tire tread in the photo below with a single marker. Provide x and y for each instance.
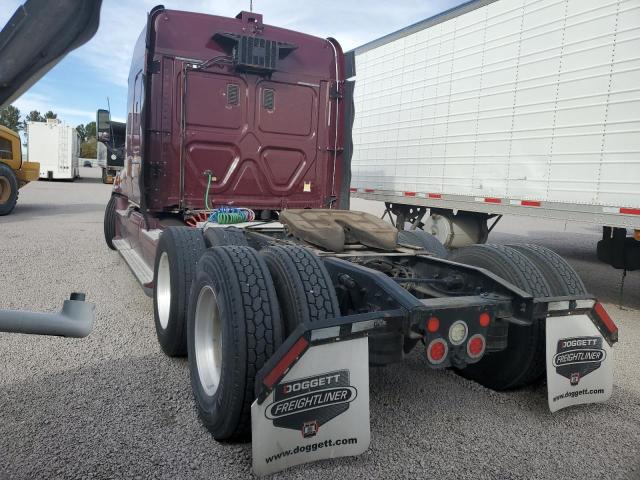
(186, 245)
(301, 274)
(110, 222)
(516, 268)
(244, 277)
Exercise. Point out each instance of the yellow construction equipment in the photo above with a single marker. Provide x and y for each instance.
(14, 173)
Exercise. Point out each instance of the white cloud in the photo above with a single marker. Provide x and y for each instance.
(352, 23)
(108, 55)
(43, 102)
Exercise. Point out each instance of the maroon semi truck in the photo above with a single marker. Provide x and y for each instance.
(232, 211)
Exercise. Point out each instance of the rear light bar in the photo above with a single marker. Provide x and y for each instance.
(565, 305)
(605, 321)
(590, 307)
(286, 362)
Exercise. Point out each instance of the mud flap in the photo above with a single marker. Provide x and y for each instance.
(579, 362)
(318, 410)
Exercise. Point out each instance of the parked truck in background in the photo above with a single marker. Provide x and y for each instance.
(505, 108)
(14, 172)
(110, 146)
(232, 212)
(56, 146)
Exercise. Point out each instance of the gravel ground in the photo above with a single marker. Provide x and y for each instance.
(113, 406)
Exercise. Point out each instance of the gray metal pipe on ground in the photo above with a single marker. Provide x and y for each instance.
(74, 320)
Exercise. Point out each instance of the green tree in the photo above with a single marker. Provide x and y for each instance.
(50, 114)
(32, 116)
(90, 129)
(88, 149)
(82, 133)
(10, 118)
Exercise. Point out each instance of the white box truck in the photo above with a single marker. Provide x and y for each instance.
(505, 107)
(55, 145)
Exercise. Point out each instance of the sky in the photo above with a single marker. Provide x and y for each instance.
(84, 79)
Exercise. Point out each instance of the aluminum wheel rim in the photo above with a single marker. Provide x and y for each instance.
(208, 340)
(163, 290)
(5, 190)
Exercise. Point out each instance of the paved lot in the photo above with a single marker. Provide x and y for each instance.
(112, 406)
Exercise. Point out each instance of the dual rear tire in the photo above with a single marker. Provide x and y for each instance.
(242, 306)
(234, 327)
(538, 271)
(178, 252)
(229, 318)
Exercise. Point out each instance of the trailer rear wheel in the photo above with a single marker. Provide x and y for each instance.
(422, 239)
(110, 221)
(8, 190)
(523, 361)
(178, 251)
(234, 327)
(303, 285)
(562, 278)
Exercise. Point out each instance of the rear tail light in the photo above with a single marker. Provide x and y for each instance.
(606, 322)
(433, 324)
(458, 332)
(286, 362)
(437, 351)
(476, 346)
(484, 319)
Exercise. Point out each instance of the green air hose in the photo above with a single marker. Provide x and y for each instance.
(206, 193)
(226, 215)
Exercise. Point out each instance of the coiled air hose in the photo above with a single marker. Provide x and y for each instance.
(226, 215)
(231, 215)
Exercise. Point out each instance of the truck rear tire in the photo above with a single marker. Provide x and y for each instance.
(8, 190)
(234, 327)
(179, 249)
(110, 222)
(422, 239)
(523, 361)
(221, 236)
(561, 277)
(303, 286)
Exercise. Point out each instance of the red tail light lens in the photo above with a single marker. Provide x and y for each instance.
(476, 346)
(484, 319)
(437, 351)
(285, 362)
(433, 324)
(606, 319)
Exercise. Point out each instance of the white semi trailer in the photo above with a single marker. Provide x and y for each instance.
(55, 145)
(505, 107)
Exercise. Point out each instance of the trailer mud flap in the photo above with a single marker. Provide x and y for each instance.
(579, 362)
(318, 410)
